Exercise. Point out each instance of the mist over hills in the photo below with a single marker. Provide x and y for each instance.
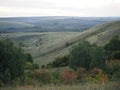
(51, 23)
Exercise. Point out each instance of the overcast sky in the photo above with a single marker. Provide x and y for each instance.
(87, 8)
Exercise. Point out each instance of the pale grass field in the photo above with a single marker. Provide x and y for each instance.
(108, 86)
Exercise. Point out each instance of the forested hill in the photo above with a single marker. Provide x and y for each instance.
(50, 24)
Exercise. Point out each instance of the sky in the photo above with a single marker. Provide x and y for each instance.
(82, 8)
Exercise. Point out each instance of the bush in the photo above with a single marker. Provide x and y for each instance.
(113, 69)
(115, 55)
(58, 62)
(80, 55)
(56, 77)
(68, 77)
(81, 74)
(44, 76)
(97, 75)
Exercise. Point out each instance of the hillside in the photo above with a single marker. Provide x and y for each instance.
(45, 46)
(99, 34)
(102, 33)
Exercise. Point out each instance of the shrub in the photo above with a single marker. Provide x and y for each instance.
(58, 62)
(68, 77)
(56, 77)
(80, 55)
(97, 75)
(115, 55)
(44, 76)
(113, 69)
(81, 74)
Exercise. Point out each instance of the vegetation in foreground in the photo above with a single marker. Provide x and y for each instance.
(108, 86)
(89, 64)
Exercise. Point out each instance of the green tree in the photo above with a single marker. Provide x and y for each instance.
(29, 57)
(80, 55)
(112, 46)
(98, 58)
(12, 60)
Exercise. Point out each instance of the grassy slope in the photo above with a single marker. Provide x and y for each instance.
(99, 34)
(104, 32)
(46, 46)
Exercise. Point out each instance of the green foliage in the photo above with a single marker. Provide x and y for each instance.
(80, 55)
(113, 69)
(87, 56)
(29, 57)
(6, 76)
(115, 55)
(112, 46)
(12, 61)
(61, 61)
(98, 58)
(58, 62)
(56, 77)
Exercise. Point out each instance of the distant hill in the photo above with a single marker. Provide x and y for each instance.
(51, 24)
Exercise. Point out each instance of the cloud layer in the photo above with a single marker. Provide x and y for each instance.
(11, 8)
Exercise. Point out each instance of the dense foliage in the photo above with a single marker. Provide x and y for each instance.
(12, 61)
(58, 62)
(80, 55)
(113, 48)
(87, 56)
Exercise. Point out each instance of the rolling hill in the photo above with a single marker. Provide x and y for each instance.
(13, 26)
(99, 34)
(45, 46)
(51, 24)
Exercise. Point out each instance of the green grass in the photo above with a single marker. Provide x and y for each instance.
(107, 86)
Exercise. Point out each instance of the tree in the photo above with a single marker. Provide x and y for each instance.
(12, 60)
(112, 46)
(98, 58)
(80, 55)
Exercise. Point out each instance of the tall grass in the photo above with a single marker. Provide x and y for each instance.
(107, 86)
